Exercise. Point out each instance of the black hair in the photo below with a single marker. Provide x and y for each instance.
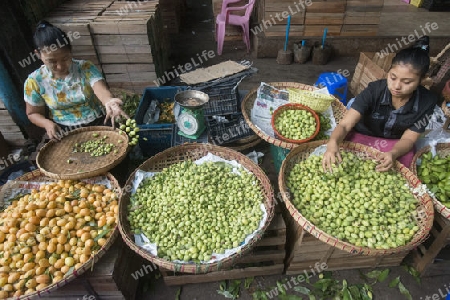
(417, 55)
(47, 35)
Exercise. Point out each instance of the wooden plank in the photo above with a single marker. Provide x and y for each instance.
(352, 17)
(359, 30)
(224, 275)
(273, 18)
(295, 31)
(124, 49)
(111, 40)
(124, 28)
(272, 241)
(125, 58)
(276, 256)
(317, 30)
(326, 6)
(324, 18)
(127, 68)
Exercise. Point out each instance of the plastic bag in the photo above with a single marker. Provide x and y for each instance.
(152, 114)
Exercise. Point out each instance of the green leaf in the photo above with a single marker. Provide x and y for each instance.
(414, 273)
(226, 294)
(104, 232)
(394, 282)
(259, 295)
(289, 297)
(373, 274)
(383, 275)
(404, 291)
(344, 284)
(177, 295)
(281, 288)
(312, 297)
(248, 282)
(346, 294)
(223, 285)
(303, 290)
(354, 292)
(327, 274)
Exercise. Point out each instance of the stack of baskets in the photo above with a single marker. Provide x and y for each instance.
(309, 244)
(56, 172)
(173, 156)
(279, 149)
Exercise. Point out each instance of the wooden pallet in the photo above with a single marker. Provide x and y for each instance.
(111, 277)
(424, 256)
(305, 251)
(266, 258)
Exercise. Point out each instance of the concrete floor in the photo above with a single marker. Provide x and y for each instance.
(196, 37)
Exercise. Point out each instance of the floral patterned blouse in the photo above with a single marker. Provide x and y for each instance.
(71, 100)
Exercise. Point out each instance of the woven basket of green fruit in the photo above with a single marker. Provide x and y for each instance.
(434, 171)
(295, 123)
(194, 217)
(355, 208)
(248, 102)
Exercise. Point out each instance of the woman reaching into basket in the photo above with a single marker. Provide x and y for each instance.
(73, 90)
(390, 114)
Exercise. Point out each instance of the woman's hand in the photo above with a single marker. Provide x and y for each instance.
(386, 161)
(331, 156)
(53, 130)
(114, 111)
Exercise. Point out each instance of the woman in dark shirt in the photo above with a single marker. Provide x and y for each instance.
(390, 114)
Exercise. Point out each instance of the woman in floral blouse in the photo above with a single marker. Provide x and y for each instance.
(73, 90)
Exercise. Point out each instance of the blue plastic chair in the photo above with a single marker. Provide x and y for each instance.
(336, 84)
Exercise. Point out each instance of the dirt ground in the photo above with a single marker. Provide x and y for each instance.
(196, 36)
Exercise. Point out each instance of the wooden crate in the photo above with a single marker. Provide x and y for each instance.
(266, 258)
(304, 251)
(424, 256)
(111, 277)
(327, 6)
(367, 71)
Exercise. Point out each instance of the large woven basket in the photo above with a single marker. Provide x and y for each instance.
(443, 150)
(38, 176)
(53, 158)
(339, 111)
(425, 209)
(178, 154)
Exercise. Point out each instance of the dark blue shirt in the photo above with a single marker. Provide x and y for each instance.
(381, 119)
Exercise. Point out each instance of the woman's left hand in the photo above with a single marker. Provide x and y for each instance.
(114, 111)
(385, 162)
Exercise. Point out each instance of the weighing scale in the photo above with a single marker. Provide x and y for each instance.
(191, 120)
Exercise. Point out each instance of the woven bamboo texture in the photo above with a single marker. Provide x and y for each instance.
(317, 102)
(245, 143)
(53, 158)
(192, 151)
(443, 150)
(425, 208)
(339, 111)
(294, 106)
(38, 176)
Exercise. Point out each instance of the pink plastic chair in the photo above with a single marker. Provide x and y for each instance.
(226, 17)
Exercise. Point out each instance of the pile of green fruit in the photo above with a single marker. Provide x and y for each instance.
(435, 173)
(325, 124)
(355, 203)
(97, 147)
(296, 124)
(131, 129)
(192, 211)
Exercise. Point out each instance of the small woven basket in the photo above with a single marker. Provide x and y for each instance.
(339, 111)
(425, 209)
(53, 158)
(38, 176)
(317, 102)
(443, 150)
(294, 106)
(192, 151)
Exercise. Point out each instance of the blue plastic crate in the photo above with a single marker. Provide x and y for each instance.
(154, 138)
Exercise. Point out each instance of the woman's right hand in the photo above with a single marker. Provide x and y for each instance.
(53, 130)
(331, 156)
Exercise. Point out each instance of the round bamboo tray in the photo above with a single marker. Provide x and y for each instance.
(443, 150)
(339, 111)
(192, 151)
(53, 158)
(38, 176)
(425, 209)
(294, 106)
